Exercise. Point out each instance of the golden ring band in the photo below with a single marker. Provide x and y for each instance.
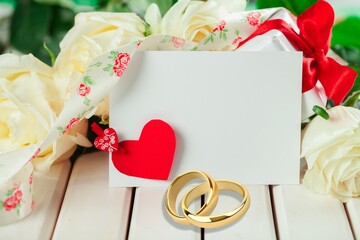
(202, 218)
(176, 186)
(216, 220)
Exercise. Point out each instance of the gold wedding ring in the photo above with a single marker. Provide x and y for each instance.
(202, 217)
(216, 220)
(179, 182)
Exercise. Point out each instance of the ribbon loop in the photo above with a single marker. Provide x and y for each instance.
(315, 26)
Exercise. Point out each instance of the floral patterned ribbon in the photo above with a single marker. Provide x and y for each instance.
(16, 196)
(97, 81)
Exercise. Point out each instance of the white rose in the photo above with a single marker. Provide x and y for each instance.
(29, 104)
(332, 151)
(28, 101)
(93, 34)
(191, 20)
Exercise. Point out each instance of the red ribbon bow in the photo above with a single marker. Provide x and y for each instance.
(315, 26)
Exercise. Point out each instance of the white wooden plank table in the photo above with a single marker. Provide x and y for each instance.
(302, 214)
(92, 210)
(150, 220)
(353, 208)
(257, 223)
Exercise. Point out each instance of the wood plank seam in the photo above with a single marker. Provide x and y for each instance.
(202, 230)
(133, 193)
(62, 196)
(349, 220)
(273, 209)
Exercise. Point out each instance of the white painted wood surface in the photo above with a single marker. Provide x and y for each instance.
(150, 220)
(257, 223)
(92, 210)
(353, 207)
(49, 190)
(302, 214)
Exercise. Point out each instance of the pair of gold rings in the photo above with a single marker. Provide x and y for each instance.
(202, 218)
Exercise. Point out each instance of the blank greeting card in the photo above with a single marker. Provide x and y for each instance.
(234, 115)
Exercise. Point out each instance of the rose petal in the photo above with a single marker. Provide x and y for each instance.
(320, 132)
(332, 152)
(153, 18)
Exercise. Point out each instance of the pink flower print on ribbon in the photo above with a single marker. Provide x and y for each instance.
(177, 42)
(14, 200)
(72, 123)
(31, 179)
(35, 154)
(10, 203)
(237, 40)
(139, 43)
(121, 62)
(18, 196)
(84, 90)
(253, 18)
(220, 26)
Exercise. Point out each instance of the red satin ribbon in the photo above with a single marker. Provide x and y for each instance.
(315, 26)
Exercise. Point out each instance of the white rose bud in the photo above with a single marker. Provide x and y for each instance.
(332, 151)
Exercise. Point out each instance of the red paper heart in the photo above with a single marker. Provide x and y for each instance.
(108, 141)
(149, 157)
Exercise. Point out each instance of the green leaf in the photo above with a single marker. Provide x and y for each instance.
(86, 5)
(1, 205)
(321, 112)
(27, 32)
(147, 31)
(51, 53)
(11, 3)
(352, 56)
(88, 81)
(209, 38)
(87, 101)
(352, 99)
(61, 21)
(98, 64)
(294, 6)
(115, 6)
(347, 33)
(108, 68)
(113, 55)
(349, 53)
(356, 86)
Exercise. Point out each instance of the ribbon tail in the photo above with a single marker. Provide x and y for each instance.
(336, 79)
